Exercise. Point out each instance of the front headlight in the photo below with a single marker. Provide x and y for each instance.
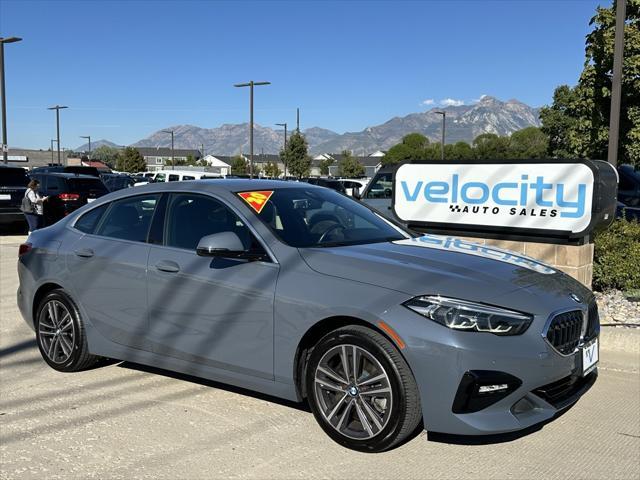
(470, 316)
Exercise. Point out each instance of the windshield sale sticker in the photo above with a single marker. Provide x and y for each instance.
(548, 196)
(256, 200)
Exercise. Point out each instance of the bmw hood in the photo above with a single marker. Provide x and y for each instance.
(446, 266)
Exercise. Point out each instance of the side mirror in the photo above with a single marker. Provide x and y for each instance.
(225, 245)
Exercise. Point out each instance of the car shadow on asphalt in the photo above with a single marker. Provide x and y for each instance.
(301, 406)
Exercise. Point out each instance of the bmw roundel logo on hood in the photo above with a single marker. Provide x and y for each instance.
(575, 298)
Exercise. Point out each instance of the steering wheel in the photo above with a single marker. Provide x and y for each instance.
(326, 233)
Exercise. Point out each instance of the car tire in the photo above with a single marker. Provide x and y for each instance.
(61, 335)
(373, 410)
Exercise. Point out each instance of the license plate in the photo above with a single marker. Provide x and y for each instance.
(5, 196)
(589, 356)
(89, 200)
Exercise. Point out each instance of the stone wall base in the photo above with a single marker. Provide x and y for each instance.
(575, 260)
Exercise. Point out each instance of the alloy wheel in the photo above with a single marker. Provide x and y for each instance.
(56, 331)
(353, 392)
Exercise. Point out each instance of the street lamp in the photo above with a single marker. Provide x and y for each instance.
(616, 83)
(251, 84)
(173, 162)
(444, 117)
(52, 140)
(5, 145)
(88, 137)
(57, 108)
(285, 147)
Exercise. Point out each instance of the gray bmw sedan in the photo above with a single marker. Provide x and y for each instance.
(299, 292)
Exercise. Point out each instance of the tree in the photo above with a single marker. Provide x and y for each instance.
(349, 166)
(412, 147)
(529, 142)
(105, 154)
(130, 160)
(577, 122)
(325, 163)
(297, 161)
(239, 165)
(272, 170)
(458, 151)
(490, 146)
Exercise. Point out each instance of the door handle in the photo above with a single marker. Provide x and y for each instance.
(84, 252)
(168, 266)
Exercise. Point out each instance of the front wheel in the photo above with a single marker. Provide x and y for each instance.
(361, 390)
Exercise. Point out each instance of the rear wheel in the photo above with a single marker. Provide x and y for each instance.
(361, 390)
(60, 334)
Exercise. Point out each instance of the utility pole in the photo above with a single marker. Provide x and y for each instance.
(298, 119)
(5, 144)
(57, 108)
(251, 84)
(202, 150)
(444, 117)
(616, 83)
(88, 137)
(173, 160)
(284, 160)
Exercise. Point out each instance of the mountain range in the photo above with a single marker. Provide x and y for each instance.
(96, 144)
(463, 122)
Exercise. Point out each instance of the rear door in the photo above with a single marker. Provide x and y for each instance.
(109, 268)
(210, 311)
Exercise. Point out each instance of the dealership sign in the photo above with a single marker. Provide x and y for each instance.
(511, 196)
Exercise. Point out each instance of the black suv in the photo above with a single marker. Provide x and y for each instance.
(67, 192)
(13, 184)
(326, 182)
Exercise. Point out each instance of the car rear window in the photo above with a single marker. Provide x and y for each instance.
(85, 185)
(13, 177)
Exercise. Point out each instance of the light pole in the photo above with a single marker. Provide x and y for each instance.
(284, 160)
(616, 83)
(251, 84)
(444, 117)
(5, 145)
(57, 108)
(52, 140)
(88, 137)
(173, 162)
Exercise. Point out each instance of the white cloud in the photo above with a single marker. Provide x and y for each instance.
(451, 102)
(428, 101)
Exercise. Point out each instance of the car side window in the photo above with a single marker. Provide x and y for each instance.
(191, 216)
(173, 177)
(382, 186)
(88, 222)
(129, 218)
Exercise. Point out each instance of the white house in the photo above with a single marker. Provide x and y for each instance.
(217, 166)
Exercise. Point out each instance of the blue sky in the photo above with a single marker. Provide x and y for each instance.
(128, 68)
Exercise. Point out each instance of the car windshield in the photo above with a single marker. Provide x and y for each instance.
(13, 177)
(314, 217)
(82, 185)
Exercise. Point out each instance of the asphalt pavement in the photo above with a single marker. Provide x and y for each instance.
(127, 421)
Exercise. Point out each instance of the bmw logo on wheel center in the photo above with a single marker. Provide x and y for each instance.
(551, 196)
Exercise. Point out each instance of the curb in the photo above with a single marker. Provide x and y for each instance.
(620, 339)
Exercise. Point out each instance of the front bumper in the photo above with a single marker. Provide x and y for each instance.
(440, 357)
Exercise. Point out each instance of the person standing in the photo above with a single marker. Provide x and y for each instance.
(33, 206)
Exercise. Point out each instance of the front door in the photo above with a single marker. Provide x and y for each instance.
(210, 311)
(108, 269)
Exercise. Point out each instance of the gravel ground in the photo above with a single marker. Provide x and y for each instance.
(615, 309)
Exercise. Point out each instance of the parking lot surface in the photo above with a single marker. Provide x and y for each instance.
(127, 421)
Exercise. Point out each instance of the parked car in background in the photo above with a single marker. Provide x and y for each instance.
(67, 192)
(327, 183)
(81, 170)
(354, 186)
(379, 192)
(300, 292)
(13, 184)
(117, 181)
(181, 175)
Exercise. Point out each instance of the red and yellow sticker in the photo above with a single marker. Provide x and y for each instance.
(256, 200)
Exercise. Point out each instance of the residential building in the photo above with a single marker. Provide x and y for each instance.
(157, 157)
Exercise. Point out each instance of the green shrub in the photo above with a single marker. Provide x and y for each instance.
(616, 263)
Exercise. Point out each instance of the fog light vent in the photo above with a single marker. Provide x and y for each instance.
(480, 388)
